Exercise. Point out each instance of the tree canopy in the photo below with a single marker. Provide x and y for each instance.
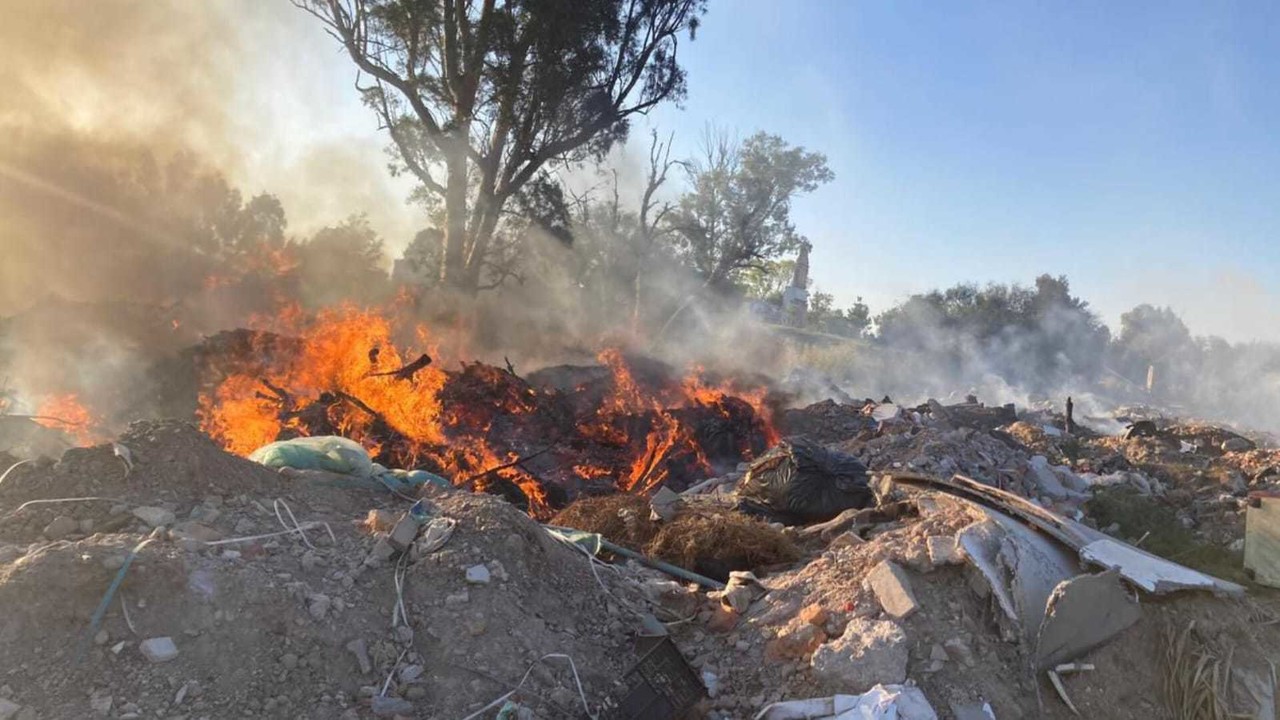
(480, 96)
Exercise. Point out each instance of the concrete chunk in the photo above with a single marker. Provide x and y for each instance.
(893, 589)
(870, 652)
(158, 650)
(154, 516)
(944, 551)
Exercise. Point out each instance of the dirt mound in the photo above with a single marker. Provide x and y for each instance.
(282, 626)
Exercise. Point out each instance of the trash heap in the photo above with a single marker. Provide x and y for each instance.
(882, 561)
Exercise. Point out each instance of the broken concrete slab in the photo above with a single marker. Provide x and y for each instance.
(892, 588)
(868, 653)
(1084, 613)
(943, 550)
(1141, 568)
(1153, 574)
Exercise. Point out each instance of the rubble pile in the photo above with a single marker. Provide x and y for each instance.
(292, 623)
(942, 561)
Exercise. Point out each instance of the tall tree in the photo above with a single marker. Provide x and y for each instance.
(738, 213)
(489, 92)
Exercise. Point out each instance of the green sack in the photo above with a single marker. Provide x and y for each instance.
(325, 452)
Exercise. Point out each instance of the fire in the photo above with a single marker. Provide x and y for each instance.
(372, 376)
(349, 377)
(68, 414)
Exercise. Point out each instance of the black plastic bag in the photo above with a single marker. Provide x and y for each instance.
(801, 482)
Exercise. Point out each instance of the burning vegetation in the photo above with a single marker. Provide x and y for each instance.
(372, 376)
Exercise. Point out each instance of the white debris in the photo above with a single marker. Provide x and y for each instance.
(159, 649)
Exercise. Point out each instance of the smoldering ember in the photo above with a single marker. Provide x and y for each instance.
(515, 397)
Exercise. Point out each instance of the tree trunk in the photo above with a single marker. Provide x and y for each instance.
(455, 208)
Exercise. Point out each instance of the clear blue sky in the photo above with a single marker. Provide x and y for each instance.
(1133, 147)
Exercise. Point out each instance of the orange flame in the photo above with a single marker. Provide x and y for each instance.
(68, 414)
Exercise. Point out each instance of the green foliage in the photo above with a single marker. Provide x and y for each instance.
(342, 262)
(1035, 337)
(479, 98)
(737, 214)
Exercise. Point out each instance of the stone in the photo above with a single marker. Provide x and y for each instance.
(386, 706)
(289, 661)
(456, 599)
(154, 516)
(943, 550)
(404, 533)
(892, 588)
(8, 709)
(192, 530)
(478, 575)
(1045, 478)
(381, 553)
(722, 619)
(102, 638)
(870, 652)
(960, 651)
(796, 640)
(814, 614)
(101, 703)
(360, 649)
(159, 649)
(318, 605)
(380, 520)
(61, 527)
(410, 673)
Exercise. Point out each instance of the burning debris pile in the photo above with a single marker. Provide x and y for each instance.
(634, 427)
(944, 560)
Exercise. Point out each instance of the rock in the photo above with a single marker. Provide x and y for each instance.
(478, 575)
(154, 516)
(892, 588)
(360, 649)
(380, 520)
(671, 596)
(193, 530)
(289, 661)
(814, 614)
(869, 652)
(498, 571)
(960, 651)
(1236, 444)
(456, 599)
(318, 605)
(796, 640)
(61, 527)
(410, 673)
(1044, 478)
(404, 533)
(722, 619)
(943, 551)
(381, 553)
(159, 649)
(102, 638)
(9, 709)
(101, 703)
(385, 706)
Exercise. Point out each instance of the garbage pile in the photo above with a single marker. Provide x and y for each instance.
(882, 561)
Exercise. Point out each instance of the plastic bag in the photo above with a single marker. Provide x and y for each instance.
(801, 482)
(324, 452)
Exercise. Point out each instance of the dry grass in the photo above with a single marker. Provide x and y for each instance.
(620, 518)
(715, 542)
(1196, 679)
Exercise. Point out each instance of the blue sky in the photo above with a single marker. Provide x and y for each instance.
(1132, 147)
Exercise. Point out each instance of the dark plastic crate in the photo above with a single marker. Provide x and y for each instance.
(661, 685)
